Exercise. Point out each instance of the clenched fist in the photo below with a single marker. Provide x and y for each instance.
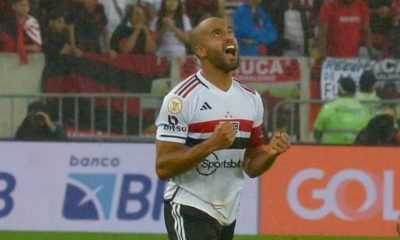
(280, 143)
(223, 135)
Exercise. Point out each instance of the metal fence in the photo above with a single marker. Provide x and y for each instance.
(294, 116)
(72, 110)
(297, 116)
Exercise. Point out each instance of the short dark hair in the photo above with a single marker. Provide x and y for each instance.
(56, 13)
(367, 81)
(348, 85)
(38, 106)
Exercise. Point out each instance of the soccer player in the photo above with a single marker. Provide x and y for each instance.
(209, 134)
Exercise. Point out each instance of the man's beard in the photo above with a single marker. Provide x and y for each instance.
(217, 59)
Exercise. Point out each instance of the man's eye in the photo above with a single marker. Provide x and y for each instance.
(216, 34)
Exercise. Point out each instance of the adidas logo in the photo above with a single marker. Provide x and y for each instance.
(205, 106)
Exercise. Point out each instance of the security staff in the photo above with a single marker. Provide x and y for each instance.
(340, 121)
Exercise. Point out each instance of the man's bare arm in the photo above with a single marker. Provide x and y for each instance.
(174, 158)
(258, 160)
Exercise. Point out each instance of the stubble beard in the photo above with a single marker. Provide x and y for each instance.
(219, 62)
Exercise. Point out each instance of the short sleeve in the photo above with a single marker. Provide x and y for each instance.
(257, 131)
(172, 121)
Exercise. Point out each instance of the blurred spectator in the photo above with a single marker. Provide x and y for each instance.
(388, 91)
(392, 49)
(253, 29)
(35, 8)
(381, 130)
(173, 27)
(5, 10)
(47, 6)
(341, 120)
(21, 33)
(56, 46)
(198, 10)
(55, 37)
(151, 8)
(344, 24)
(88, 21)
(367, 92)
(396, 12)
(134, 35)
(313, 28)
(115, 10)
(290, 19)
(38, 125)
(381, 22)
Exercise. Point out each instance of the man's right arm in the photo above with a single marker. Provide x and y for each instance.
(175, 158)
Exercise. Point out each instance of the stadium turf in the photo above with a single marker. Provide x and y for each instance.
(107, 236)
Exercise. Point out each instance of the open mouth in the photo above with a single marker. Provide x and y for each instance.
(230, 50)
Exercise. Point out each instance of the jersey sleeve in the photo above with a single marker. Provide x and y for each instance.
(172, 121)
(257, 131)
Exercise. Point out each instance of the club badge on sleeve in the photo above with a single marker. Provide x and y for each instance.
(175, 105)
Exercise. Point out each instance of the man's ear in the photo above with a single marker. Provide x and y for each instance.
(200, 51)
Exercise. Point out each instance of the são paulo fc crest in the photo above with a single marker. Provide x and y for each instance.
(175, 105)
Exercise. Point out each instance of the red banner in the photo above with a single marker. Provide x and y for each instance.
(256, 69)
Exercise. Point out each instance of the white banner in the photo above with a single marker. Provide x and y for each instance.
(91, 187)
(333, 68)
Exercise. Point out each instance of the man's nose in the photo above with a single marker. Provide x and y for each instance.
(229, 35)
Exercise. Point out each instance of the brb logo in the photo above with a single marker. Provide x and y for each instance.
(98, 197)
(376, 195)
(89, 196)
(7, 186)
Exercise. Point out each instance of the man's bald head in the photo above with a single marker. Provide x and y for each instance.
(199, 33)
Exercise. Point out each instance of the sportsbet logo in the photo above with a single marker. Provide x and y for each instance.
(374, 195)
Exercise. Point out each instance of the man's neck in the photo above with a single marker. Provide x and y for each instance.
(218, 78)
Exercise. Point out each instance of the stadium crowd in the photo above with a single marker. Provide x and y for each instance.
(295, 28)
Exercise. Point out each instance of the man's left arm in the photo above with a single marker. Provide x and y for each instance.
(259, 160)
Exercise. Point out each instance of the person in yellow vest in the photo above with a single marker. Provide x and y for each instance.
(340, 121)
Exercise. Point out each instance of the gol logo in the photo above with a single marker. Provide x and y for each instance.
(334, 201)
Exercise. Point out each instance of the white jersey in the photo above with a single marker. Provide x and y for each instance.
(189, 114)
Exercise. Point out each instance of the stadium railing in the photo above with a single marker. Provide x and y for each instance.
(298, 121)
(108, 107)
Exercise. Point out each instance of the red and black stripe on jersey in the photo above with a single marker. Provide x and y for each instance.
(255, 134)
(189, 85)
(245, 87)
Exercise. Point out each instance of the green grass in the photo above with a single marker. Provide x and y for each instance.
(106, 236)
